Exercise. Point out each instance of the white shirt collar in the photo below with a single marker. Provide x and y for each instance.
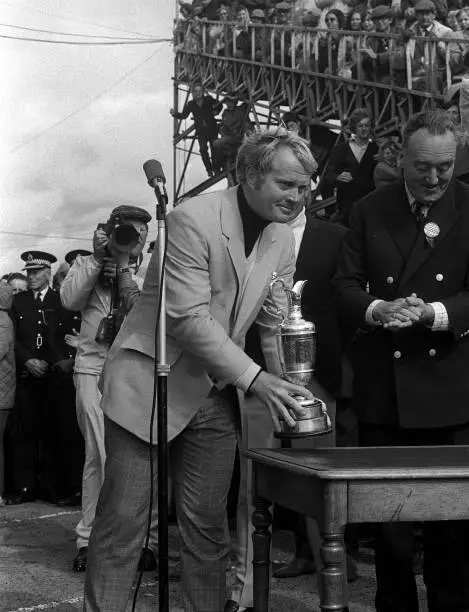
(42, 293)
(297, 225)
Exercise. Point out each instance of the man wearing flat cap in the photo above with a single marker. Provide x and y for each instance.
(93, 285)
(427, 58)
(40, 353)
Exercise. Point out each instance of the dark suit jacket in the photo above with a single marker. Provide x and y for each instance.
(343, 160)
(415, 377)
(317, 263)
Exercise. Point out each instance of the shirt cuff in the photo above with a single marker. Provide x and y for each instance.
(369, 313)
(247, 377)
(441, 319)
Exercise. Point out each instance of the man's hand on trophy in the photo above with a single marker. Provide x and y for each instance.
(276, 394)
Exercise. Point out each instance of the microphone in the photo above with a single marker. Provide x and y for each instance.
(154, 172)
(156, 179)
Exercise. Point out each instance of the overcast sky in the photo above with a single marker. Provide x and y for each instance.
(61, 181)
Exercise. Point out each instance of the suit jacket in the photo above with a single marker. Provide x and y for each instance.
(39, 333)
(415, 377)
(317, 263)
(343, 159)
(210, 306)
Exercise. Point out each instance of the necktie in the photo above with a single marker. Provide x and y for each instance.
(38, 301)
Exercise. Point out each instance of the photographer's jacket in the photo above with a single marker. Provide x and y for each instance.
(82, 291)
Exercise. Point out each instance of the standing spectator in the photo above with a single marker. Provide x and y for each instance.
(233, 127)
(408, 294)
(203, 109)
(331, 47)
(87, 288)
(218, 34)
(386, 170)
(351, 166)
(40, 358)
(7, 373)
(18, 282)
(458, 50)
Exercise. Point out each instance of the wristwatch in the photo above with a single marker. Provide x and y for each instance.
(121, 270)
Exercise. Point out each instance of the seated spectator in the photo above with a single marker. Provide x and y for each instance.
(233, 127)
(283, 38)
(387, 170)
(351, 165)
(18, 282)
(459, 48)
(7, 373)
(334, 43)
(218, 34)
(428, 60)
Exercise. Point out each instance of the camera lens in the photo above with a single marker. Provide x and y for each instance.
(126, 235)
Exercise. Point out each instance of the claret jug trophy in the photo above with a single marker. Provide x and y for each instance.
(296, 343)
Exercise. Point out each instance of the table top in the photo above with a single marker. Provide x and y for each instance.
(370, 463)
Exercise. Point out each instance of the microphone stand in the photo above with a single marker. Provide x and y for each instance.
(162, 369)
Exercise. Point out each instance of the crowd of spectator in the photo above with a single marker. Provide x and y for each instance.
(416, 44)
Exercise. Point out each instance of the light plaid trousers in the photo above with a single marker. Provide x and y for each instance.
(201, 461)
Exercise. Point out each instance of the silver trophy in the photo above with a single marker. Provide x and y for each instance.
(296, 342)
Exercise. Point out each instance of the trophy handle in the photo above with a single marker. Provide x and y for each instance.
(271, 293)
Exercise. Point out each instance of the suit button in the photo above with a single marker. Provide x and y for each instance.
(432, 352)
(397, 354)
(39, 322)
(439, 277)
(390, 280)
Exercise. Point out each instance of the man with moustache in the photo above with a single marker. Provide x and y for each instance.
(224, 249)
(403, 279)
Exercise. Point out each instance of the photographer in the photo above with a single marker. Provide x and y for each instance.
(103, 288)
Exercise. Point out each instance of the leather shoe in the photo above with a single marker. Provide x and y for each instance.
(72, 500)
(147, 562)
(233, 606)
(296, 567)
(79, 563)
(24, 496)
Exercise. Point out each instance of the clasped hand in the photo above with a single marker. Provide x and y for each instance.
(403, 312)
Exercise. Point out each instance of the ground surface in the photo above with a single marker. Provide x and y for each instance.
(37, 546)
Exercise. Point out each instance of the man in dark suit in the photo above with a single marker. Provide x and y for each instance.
(41, 358)
(317, 246)
(403, 279)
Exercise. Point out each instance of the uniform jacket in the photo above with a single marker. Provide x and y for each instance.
(209, 309)
(415, 377)
(39, 332)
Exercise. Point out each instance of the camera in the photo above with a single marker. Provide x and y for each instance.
(107, 330)
(122, 236)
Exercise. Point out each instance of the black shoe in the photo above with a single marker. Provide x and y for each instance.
(233, 606)
(296, 567)
(24, 496)
(147, 562)
(49, 495)
(72, 500)
(79, 563)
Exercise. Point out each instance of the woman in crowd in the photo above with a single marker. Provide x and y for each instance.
(7, 372)
(331, 47)
(351, 165)
(458, 50)
(387, 170)
(217, 34)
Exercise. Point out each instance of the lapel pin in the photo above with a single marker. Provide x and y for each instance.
(431, 231)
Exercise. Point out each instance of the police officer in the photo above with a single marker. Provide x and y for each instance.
(40, 356)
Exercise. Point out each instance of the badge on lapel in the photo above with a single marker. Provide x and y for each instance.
(431, 231)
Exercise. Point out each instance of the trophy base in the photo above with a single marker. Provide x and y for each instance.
(313, 422)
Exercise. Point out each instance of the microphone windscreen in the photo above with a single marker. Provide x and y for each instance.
(153, 171)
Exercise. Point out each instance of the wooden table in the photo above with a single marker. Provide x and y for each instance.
(337, 486)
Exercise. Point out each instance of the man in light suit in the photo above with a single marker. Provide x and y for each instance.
(403, 278)
(224, 249)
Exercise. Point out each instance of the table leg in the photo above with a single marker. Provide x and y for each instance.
(261, 538)
(333, 592)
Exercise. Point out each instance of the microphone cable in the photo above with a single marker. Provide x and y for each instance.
(152, 421)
